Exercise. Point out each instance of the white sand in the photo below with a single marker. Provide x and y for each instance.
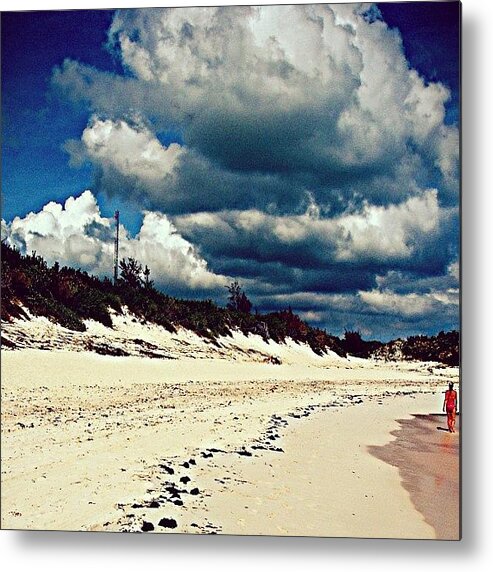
(326, 483)
(85, 437)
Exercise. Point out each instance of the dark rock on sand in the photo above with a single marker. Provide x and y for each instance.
(169, 470)
(147, 526)
(173, 491)
(168, 523)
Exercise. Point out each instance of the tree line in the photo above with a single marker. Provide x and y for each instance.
(70, 296)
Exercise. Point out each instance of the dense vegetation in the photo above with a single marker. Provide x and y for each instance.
(69, 296)
(353, 344)
(443, 347)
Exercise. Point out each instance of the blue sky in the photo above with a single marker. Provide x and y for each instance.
(35, 122)
(432, 42)
(68, 80)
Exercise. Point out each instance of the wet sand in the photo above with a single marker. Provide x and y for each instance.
(325, 483)
(427, 457)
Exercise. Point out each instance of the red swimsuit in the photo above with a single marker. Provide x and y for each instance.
(450, 407)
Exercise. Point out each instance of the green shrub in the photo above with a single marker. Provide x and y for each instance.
(41, 306)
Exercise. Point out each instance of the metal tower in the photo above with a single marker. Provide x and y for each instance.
(117, 236)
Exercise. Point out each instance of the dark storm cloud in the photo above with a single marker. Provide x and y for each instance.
(408, 236)
(407, 283)
(341, 114)
(275, 277)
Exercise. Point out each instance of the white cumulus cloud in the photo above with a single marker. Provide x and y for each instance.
(303, 89)
(76, 234)
(130, 150)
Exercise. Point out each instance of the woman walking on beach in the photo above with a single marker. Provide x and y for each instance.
(450, 406)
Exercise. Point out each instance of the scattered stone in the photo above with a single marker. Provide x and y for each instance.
(147, 526)
(153, 504)
(185, 480)
(244, 452)
(168, 523)
(174, 492)
(194, 491)
(169, 470)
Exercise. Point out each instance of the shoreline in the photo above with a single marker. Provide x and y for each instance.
(427, 457)
(325, 484)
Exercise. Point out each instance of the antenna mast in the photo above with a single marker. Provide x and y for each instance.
(115, 259)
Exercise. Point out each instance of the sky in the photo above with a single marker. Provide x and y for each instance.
(310, 152)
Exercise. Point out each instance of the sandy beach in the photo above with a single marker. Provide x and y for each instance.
(326, 483)
(220, 440)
